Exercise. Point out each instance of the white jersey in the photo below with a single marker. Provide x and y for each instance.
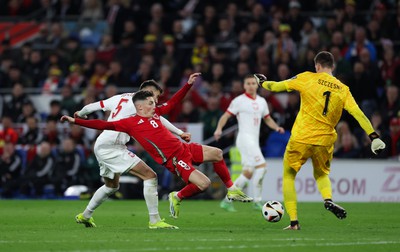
(249, 113)
(120, 107)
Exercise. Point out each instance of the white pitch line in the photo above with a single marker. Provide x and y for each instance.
(240, 247)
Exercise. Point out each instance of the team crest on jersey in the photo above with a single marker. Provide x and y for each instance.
(140, 121)
(255, 105)
(155, 116)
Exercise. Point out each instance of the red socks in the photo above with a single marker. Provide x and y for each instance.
(188, 191)
(221, 169)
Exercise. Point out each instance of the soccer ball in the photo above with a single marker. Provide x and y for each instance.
(272, 211)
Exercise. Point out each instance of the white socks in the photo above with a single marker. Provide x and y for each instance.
(258, 177)
(99, 197)
(151, 197)
(241, 182)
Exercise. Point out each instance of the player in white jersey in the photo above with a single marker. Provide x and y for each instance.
(249, 109)
(114, 157)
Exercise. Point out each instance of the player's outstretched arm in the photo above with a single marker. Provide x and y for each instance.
(274, 86)
(88, 109)
(93, 124)
(377, 145)
(221, 123)
(178, 96)
(273, 125)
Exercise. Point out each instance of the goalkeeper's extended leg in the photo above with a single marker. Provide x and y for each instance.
(325, 188)
(289, 195)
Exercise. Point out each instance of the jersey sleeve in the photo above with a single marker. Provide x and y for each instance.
(265, 112)
(120, 125)
(233, 108)
(352, 107)
(89, 108)
(175, 99)
(110, 103)
(297, 82)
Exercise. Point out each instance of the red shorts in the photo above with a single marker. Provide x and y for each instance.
(181, 163)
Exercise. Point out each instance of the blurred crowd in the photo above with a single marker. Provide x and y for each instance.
(167, 41)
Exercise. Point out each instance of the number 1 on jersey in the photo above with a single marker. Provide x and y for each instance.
(327, 94)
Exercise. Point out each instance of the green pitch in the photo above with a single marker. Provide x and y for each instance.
(123, 226)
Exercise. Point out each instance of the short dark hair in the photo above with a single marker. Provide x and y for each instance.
(248, 76)
(141, 95)
(151, 83)
(325, 59)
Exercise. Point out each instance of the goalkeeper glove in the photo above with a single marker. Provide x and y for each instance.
(260, 78)
(377, 144)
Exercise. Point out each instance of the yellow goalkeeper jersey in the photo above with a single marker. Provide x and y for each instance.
(323, 98)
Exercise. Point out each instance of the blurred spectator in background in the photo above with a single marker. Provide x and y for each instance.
(295, 20)
(90, 171)
(7, 134)
(115, 14)
(363, 89)
(33, 134)
(77, 134)
(13, 108)
(389, 66)
(391, 105)
(128, 47)
(89, 62)
(51, 134)
(68, 165)
(116, 76)
(15, 75)
(211, 116)
(53, 81)
(284, 44)
(37, 174)
(360, 41)
(350, 141)
(55, 111)
(68, 102)
(291, 110)
(34, 69)
(75, 79)
(347, 147)
(395, 136)
(189, 113)
(72, 51)
(343, 70)
(10, 170)
(200, 53)
(99, 78)
(28, 110)
(92, 10)
(106, 49)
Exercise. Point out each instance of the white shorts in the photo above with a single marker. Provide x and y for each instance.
(114, 159)
(250, 153)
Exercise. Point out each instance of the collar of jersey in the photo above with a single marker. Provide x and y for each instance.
(251, 97)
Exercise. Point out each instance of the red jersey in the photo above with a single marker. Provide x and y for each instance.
(149, 132)
(157, 140)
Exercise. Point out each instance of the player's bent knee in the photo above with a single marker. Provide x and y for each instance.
(218, 154)
(204, 184)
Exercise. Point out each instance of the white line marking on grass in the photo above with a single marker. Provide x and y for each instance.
(235, 247)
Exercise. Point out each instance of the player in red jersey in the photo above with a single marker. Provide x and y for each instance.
(146, 128)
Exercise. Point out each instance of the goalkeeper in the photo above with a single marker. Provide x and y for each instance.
(323, 98)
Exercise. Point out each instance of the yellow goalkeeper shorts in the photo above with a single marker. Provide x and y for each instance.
(296, 155)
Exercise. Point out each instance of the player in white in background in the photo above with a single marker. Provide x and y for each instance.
(114, 157)
(249, 109)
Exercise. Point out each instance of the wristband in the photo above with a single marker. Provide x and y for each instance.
(373, 135)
